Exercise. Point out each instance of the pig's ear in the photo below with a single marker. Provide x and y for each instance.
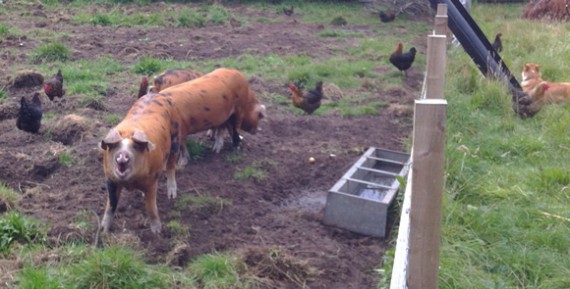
(141, 141)
(111, 140)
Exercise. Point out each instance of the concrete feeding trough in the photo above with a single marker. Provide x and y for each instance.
(359, 201)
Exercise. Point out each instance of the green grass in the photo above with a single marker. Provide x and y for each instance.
(217, 271)
(4, 29)
(233, 157)
(506, 177)
(196, 149)
(112, 119)
(51, 52)
(200, 203)
(178, 230)
(250, 173)
(3, 94)
(8, 197)
(15, 227)
(65, 159)
(195, 17)
(148, 66)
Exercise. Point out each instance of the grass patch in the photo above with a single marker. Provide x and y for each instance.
(3, 94)
(147, 66)
(250, 173)
(15, 227)
(115, 267)
(505, 177)
(196, 149)
(112, 119)
(65, 159)
(96, 102)
(256, 171)
(4, 29)
(233, 157)
(178, 229)
(200, 203)
(8, 197)
(51, 52)
(217, 271)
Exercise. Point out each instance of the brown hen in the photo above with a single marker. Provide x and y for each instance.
(309, 102)
(53, 86)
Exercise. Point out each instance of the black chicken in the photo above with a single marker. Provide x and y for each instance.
(387, 16)
(498, 43)
(403, 61)
(53, 87)
(289, 11)
(30, 115)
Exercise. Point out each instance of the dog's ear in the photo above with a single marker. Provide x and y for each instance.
(537, 67)
(525, 67)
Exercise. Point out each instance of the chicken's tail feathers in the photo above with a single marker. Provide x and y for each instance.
(319, 86)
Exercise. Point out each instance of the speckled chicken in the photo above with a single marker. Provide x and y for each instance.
(309, 102)
(30, 114)
(53, 86)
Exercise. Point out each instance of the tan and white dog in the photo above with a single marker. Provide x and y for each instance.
(555, 92)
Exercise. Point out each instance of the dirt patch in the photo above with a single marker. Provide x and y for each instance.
(282, 211)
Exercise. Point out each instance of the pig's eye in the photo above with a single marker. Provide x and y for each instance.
(139, 146)
(110, 146)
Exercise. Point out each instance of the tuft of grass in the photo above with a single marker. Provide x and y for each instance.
(4, 29)
(96, 102)
(178, 229)
(217, 271)
(15, 227)
(339, 21)
(36, 278)
(233, 157)
(51, 52)
(65, 159)
(330, 33)
(115, 267)
(147, 66)
(112, 119)
(201, 203)
(196, 149)
(250, 173)
(218, 14)
(8, 197)
(3, 94)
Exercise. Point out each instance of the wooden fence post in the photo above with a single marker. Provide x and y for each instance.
(440, 24)
(427, 190)
(435, 66)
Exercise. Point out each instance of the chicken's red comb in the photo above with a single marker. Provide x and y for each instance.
(292, 86)
(144, 80)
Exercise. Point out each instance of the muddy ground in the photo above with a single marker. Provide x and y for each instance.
(280, 213)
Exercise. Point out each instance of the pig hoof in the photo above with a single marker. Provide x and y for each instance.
(106, 222)
(155, 226)
(182, 161)
(172, 192)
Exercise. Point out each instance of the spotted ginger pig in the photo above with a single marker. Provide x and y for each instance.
(137, 150)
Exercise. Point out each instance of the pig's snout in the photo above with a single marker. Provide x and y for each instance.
(122, 160)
